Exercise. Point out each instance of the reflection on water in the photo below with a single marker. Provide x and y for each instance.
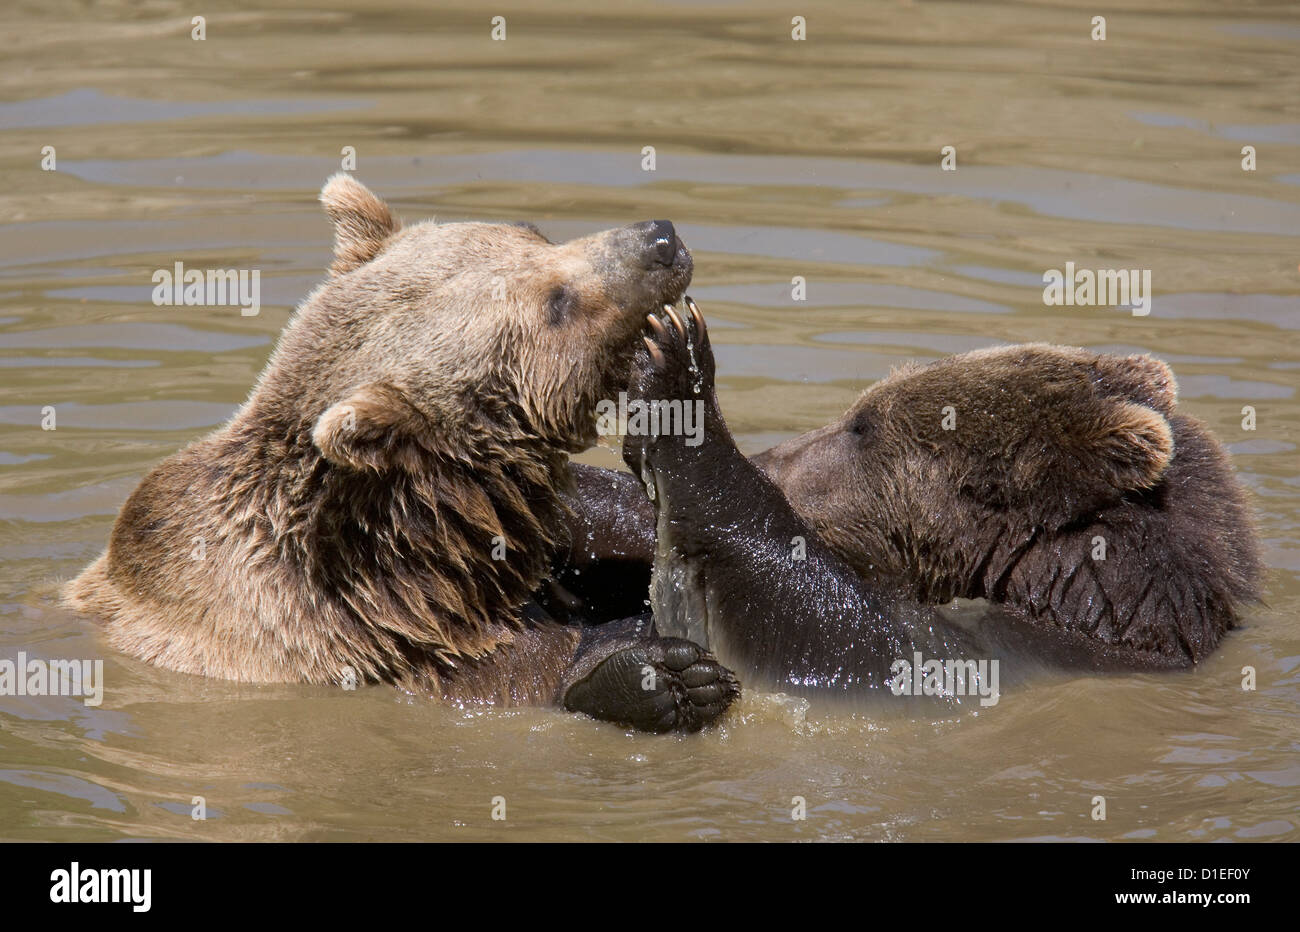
(775, 159)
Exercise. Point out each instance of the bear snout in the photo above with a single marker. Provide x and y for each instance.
(644, 266)
(798, 458)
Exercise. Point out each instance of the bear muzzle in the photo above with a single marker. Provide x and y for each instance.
(644, 266)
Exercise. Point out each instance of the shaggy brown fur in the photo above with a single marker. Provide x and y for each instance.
(1053, 448)
(416, 411)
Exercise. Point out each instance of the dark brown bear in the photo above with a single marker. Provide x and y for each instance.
(1069, 490)
(1059, 484)
(386, 500)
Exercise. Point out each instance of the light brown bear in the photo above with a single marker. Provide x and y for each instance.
(388, 497)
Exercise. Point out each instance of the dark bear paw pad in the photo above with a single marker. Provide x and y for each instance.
(658, 686)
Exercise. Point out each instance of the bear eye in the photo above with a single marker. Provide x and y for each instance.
(560, 305)
(861, 425)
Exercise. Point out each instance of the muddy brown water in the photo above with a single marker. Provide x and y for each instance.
(776, 159)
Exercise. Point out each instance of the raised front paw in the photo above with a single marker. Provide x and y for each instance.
(679, 361)
(656, 685)
(671, 399)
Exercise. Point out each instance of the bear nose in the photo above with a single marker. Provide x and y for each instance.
(660, 242)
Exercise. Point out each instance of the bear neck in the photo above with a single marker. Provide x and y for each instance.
(437, 562)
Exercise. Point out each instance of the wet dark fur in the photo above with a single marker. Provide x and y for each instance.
(1054, 446)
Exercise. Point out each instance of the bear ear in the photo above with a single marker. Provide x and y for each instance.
(376, 428)
(1129, 445)
(1142, 379)
(362, 222)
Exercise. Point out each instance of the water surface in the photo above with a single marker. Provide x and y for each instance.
(775, 159)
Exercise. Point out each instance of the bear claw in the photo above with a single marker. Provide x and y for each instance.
(681, 359)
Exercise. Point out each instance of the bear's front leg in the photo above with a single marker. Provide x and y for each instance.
(736, 569)
(605, 561)
(699, 483)
(623, 673)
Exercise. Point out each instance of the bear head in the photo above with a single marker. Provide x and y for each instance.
(1007, 473)
(465, 340)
